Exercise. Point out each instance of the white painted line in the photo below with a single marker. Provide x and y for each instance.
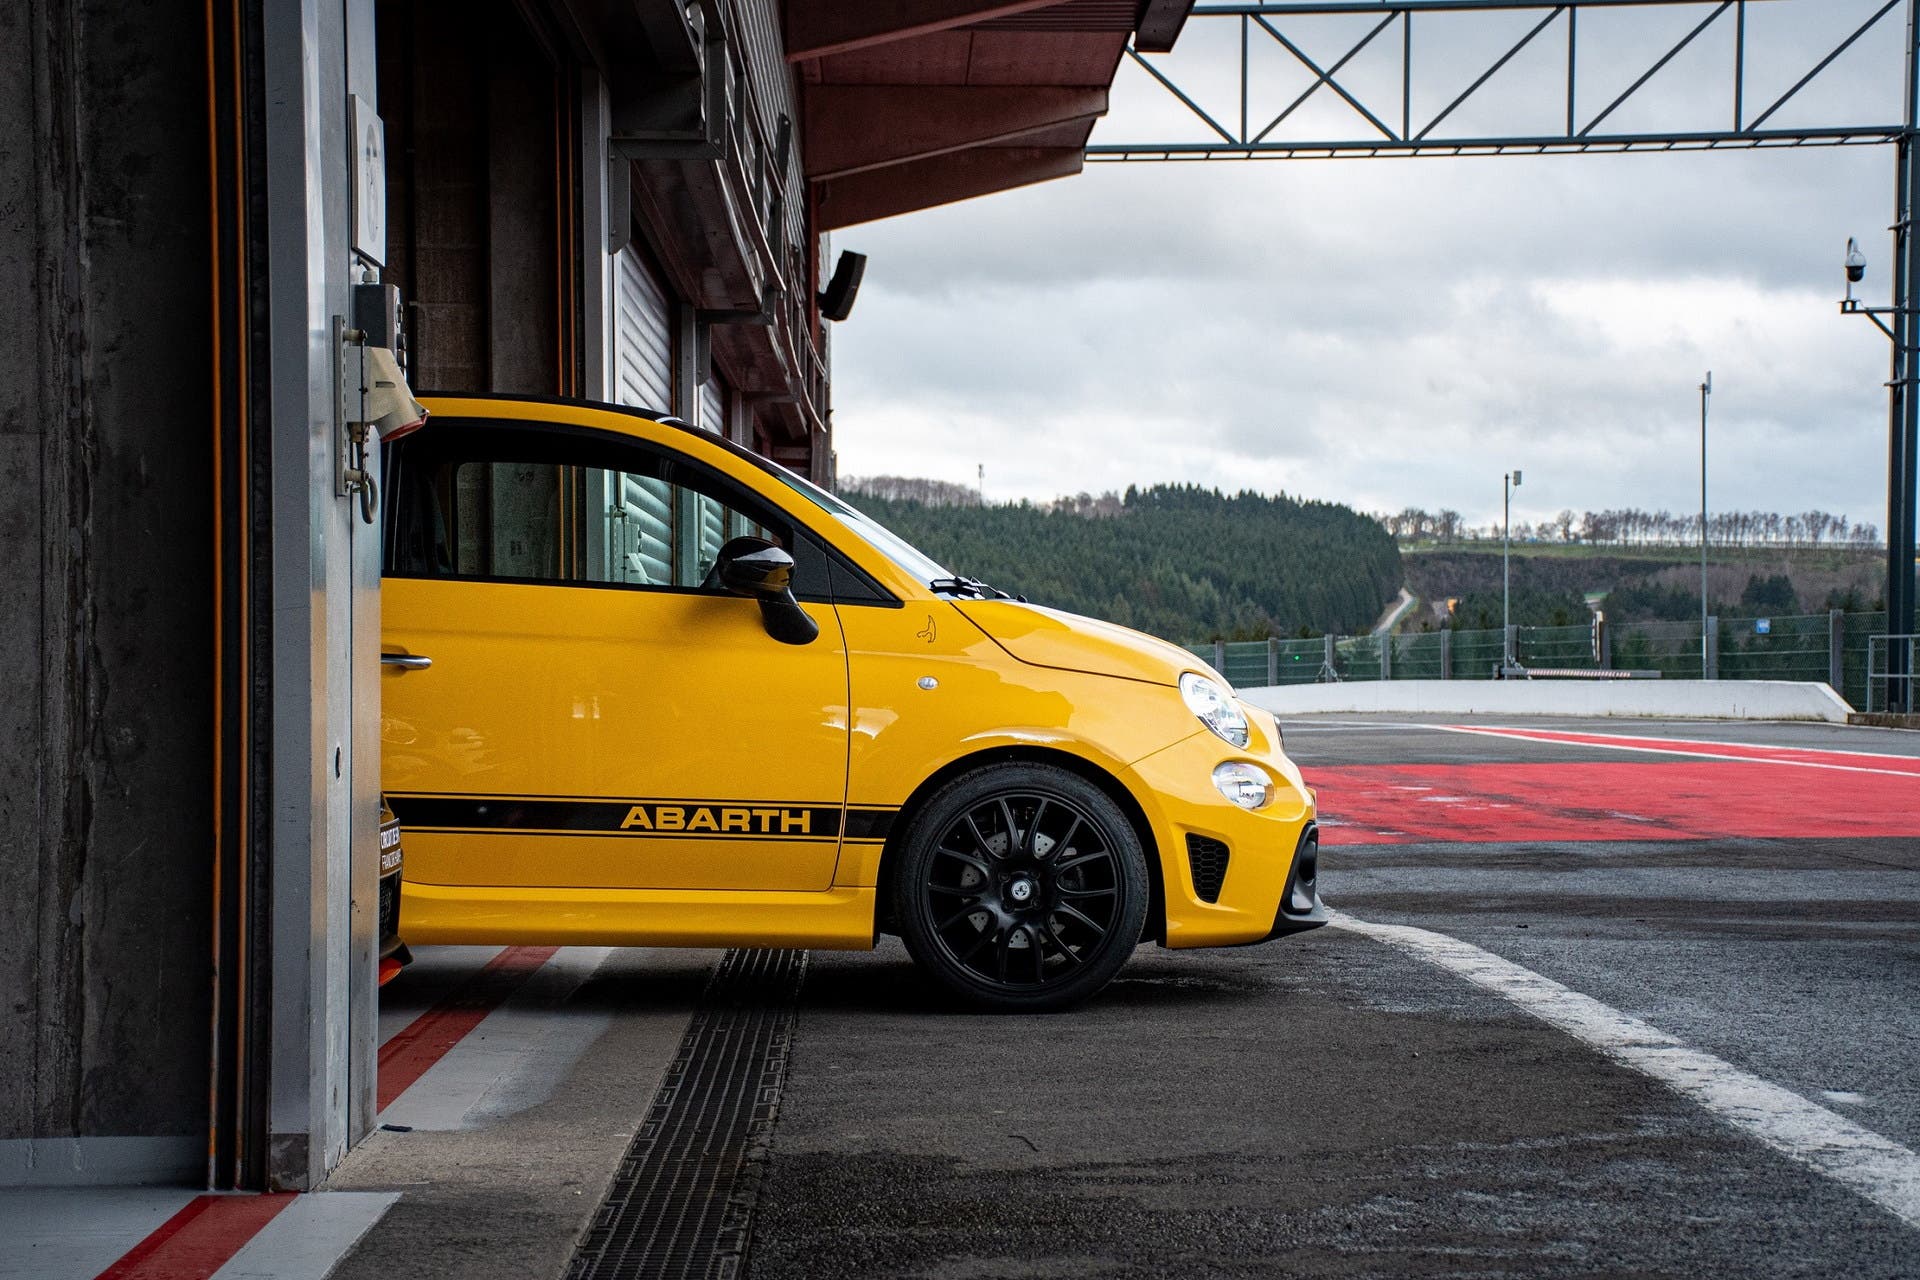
(1696, 742)
(307, 1239)
(1351, 726)
(515, 1058)
(1521, 735)
(1876, 1167)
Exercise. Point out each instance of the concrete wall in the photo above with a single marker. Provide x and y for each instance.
(107, 446)
(105, 590)
(1680, 699)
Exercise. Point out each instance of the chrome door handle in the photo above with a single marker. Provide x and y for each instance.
(406, 661)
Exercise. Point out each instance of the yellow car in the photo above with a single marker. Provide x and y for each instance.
(642, 687)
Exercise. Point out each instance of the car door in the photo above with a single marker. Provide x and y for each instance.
(567, 702)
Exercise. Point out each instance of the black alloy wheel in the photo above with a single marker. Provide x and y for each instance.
(1023, 887)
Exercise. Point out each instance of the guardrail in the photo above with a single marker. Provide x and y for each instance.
(1832, 646)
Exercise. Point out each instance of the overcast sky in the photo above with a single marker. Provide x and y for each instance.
(1393, 333)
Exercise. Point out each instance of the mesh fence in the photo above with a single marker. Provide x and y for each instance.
(1419, 656)
(1853, 664)
(1775, 648)
(1301, 661)
(1800, 647)
(1671, 648)
(1476, 655)
(1555, 648)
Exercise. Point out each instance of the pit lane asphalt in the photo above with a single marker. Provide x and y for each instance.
(1326, 1105)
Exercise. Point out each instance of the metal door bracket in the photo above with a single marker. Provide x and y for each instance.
(350, 472)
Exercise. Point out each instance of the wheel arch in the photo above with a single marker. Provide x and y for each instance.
(1026, 754)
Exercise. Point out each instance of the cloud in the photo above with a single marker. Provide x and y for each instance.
(1386, 333)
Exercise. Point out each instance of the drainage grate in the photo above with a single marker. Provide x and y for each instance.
(682, 1202)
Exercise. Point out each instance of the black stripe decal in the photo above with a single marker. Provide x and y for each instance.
(869, 824)
(671, 819)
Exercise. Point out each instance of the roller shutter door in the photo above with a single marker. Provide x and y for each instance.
(639, 536)
(645, 335)
(713, 406)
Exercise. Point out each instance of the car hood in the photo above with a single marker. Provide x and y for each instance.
(1044, 637)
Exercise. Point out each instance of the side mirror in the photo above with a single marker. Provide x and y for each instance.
(755, 567)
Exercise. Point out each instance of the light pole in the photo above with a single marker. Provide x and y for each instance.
(1903, 434)
(1706, 389)
(1508, 483)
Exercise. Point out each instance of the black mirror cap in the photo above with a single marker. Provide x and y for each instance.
(786, 621)
(754, 567)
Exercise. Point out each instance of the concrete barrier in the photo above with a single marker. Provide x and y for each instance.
(1677, 699)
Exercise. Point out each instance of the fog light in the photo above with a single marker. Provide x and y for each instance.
(1246, 785)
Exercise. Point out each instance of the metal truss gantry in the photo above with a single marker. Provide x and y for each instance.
(1385, 123)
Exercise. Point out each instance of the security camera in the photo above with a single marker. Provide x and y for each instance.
(1856, 262)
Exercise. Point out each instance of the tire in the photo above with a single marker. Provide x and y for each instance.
(1021, 888)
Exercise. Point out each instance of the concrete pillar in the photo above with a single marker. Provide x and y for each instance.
(1713, 650)
(326, 638)
(1446, 653)
(599, 203)
(1273, 660)
(1220, 656)
(1386, 655)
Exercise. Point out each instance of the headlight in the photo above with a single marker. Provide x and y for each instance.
(1247, 785)
(1215, 706)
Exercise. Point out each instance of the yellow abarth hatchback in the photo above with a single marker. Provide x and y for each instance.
(644, 688)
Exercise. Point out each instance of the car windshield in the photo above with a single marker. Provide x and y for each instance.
(882, 539)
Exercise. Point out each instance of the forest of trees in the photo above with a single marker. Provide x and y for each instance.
(932, 493)
(1178, 561)
(1632, 527)
(1648, 601)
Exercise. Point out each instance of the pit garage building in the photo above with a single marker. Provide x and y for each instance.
(628, 200)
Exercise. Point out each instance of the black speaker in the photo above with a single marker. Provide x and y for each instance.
(836, 300)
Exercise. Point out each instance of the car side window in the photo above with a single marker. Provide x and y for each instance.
(471, 501)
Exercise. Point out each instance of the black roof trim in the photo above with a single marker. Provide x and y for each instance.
(578, 402)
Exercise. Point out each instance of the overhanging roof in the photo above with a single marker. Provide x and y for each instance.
(909, 104)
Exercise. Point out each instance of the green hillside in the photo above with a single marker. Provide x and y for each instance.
(1177, 561)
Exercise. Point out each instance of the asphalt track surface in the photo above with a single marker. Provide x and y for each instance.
(1332, 1105)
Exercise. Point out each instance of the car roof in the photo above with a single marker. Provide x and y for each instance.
(626, 410)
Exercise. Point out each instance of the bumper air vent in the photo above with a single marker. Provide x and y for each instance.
(1207, 859)
(1303, 888)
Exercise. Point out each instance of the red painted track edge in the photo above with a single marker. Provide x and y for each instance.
(413, 1050)
(200, 1239)
(1611, 800)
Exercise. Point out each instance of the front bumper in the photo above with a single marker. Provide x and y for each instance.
(393, 953)
(1300, 906)
(390, 915)
(1230, 876)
